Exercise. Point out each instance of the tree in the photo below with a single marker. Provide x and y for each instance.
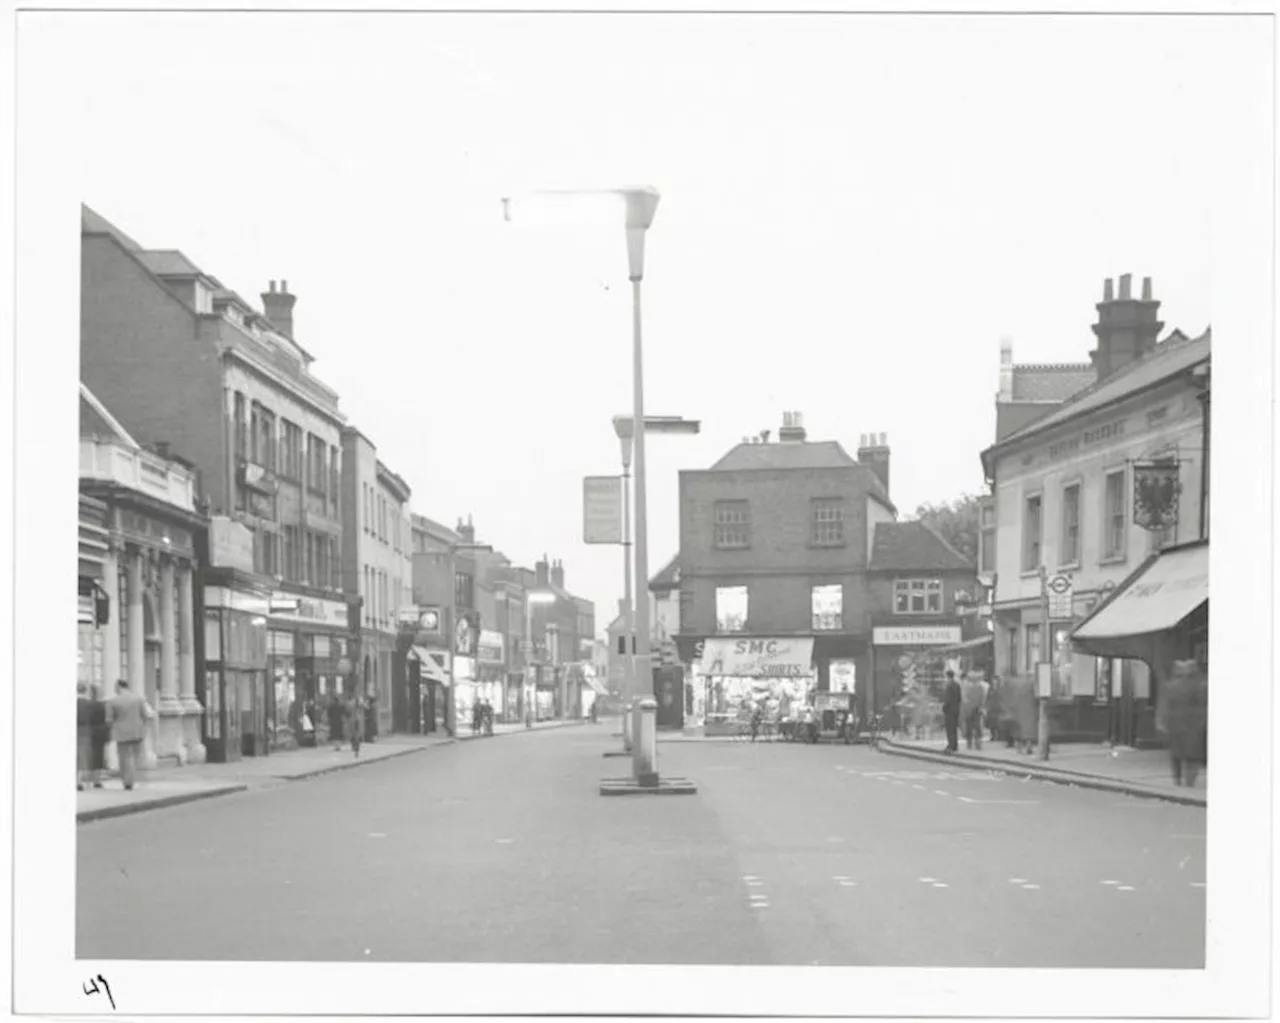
(956, 521)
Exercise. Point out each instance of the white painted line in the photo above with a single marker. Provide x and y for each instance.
(1031, 887)
(939, 792)
(377, 834)
(759, 898)
(1123, 888)
(755, 883)
(839, 877)
(748, 877)
(1017, 880)
(505, 841)
(1110, 882)
(1197, 884)
(848, 884)
(926, 880)
(940, 884)
(759, 905)
(1005, 802)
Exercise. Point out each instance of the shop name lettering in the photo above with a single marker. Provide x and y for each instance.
(311, 609)
(766, 647)
(1073, 444)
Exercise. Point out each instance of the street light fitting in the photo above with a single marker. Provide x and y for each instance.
(624, 427)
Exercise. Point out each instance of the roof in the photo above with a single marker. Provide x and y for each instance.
(435, 528)
(1173, 356)
(913, 547)
(823, 454)
(97, 421)
(92, 222)
(668, 576)
(1051, 382)
(169, 263)
(826, 454)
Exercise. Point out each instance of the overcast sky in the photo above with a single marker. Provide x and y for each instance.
(854, 211)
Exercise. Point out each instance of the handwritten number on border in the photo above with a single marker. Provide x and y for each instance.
(95, 990)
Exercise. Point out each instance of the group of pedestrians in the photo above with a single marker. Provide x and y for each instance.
(482, 718)
(121, 720)
(351, 720)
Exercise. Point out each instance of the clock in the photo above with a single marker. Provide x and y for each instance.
(429, 621)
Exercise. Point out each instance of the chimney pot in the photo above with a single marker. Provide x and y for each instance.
(273, 287)
(1146, 289)
(1126, 285)
(862, 441)
(1108, 292)
(884, 440)
(284, 287)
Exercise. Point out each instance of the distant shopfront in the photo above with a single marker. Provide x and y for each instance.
(309, 659)
(491, 681)
(911, 659)
(731, 674)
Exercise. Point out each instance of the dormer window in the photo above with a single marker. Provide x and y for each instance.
(202, 298)
(917, 596)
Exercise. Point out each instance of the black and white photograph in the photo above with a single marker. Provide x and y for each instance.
(642, 512)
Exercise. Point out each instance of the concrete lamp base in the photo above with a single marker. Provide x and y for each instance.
(659, 787)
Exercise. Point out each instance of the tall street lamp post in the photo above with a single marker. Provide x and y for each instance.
(624, 427)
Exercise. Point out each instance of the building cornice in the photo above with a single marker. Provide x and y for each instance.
(294, 389)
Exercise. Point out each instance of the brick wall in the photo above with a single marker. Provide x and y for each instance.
(141, 355)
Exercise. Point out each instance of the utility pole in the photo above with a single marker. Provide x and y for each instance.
(1045, 667)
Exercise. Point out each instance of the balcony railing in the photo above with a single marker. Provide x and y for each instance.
(139, 470)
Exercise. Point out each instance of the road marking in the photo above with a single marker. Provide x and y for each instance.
(920, 787)
(1031, 887)
(1005, 802)
(1110, 882)
(1182, 864)
(505, 841)
(759, 905)
(754, 883)
(939, 792)
(758, 898)
(848, 884)
(367, 951)
(377, 834)
(1197, 884)
(1123, 888)
(940, 884)
(748, 877)
(926, 880)
(1017, 880)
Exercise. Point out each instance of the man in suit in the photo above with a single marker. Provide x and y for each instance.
(128, 714)
(951, 697)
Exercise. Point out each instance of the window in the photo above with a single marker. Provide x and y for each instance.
(333, 482)
(1113, 539)
(917, 596)
(828, 607)
(290, 450)
(268, 553)
(1032, 537)
(731, 608)
(241, 444)
(1033, 648)
(987, 538)
(322, 561)
(1070, 525)
(1014, 663)
(289, 567)
(364, 499)
(463, 590)
(827, 521)
(335, 564)
(317, 470)
(732, 524)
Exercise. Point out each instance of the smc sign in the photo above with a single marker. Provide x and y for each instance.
(757, 658)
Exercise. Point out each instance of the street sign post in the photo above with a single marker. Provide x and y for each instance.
(602, 509)
(1061, 596)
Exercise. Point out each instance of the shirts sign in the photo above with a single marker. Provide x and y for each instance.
(788, 657)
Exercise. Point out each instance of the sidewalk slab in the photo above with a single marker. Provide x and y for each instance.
(99, 804)
(1109, 774)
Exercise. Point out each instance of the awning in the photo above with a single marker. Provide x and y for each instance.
(968, 644)
(1159, 595)
(784, 657)
(432, 669)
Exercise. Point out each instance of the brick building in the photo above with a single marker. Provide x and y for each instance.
(775, 541)
(189, 365)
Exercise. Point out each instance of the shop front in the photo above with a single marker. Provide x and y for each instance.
(733, 675)
(428, 690)
(309, 661)
(909, 667)
(1157, 616)
(236, 718)
(492, 669)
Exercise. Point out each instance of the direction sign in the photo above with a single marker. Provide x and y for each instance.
(602, 509)
(1060, 596)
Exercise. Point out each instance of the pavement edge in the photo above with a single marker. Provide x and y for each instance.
(123, 809)
(1057, 776)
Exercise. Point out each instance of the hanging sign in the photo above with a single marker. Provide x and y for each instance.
(602, 509)
(1156, 490)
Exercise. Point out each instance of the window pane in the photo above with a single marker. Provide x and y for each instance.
(731, 608)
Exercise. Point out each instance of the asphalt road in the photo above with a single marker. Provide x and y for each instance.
(502, 851)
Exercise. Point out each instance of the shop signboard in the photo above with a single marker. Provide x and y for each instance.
(230, 544)
(916, 635)
(492, 647)
(784, 657)
(602, 509)
(289, 607)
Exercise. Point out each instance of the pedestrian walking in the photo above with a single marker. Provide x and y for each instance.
(371, 717)
(972, 707)
(1181, 714)
(336, 714)
(99, 734)
(951, 711)
(128, 714)
(353, 721)
(995, 711)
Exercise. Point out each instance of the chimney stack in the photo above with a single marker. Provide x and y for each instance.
(792, 428)
(1127, 327)
(278, 307)
(873, 452)
(1006, 370)
(557, 574)
(540, 573)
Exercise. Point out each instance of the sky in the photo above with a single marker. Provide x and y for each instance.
(854, 212)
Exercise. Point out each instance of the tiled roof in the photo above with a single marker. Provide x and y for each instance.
(1175, 355)
(913, 547)
(168, 263)
(1051, 382)
(826, 454)
(92, 222)
(667, 576)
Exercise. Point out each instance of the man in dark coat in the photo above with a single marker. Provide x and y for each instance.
(336, 714)
(951, 697)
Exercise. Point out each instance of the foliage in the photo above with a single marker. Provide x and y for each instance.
(956, 521)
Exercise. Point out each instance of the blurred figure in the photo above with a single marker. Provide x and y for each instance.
(128, 714)
(84, 734)
(973, 706)
(951, 700)
(1182, 714)
(353, 722)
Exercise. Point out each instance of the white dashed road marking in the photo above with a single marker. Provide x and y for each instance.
(1110, 882)
(940, 884)
(939, 792)
(1123, 888)
(1197, 884)
(505, 841)
(753, 883)
(1006, 802)
(926, 880)
(1031, 887)
(377, 834)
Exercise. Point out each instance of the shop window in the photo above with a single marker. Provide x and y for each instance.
(917, 596)
(1033, 648)
(828, 607)
(1114, 531)
(731, 608)
(732, 525)
(827, 521)
(1032, 533)
(1070, 525)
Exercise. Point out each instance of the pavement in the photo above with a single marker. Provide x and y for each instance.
(169, 786)
(788, 855)
(1121, 769)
